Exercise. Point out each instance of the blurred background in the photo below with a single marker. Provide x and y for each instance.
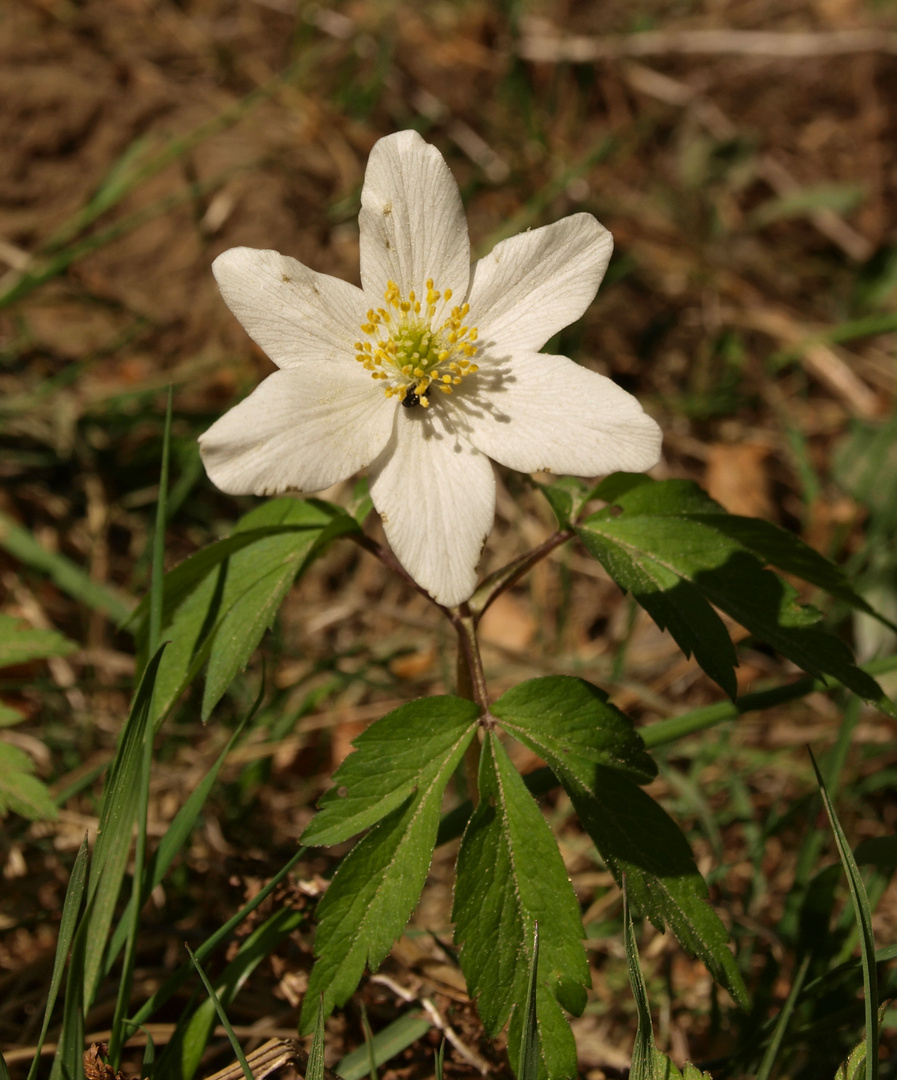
(744, 156)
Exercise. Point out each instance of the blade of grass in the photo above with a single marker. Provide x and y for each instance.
(122, 179)
(176, 836)
(678, 727)
(643, 1056)
(58, 263)
(175, 981)
(71, 906)
(138, 881)
(528, 1066)
(222, 1016)
(392, 1040)
(118, 810)
(187, 1044)
(67, 1063)
(782, 1021)
(67, 575)
(814, 840)
(368, 1042)
(157, 584)
(864, 922)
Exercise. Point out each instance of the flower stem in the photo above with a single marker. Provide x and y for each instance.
(471, 684)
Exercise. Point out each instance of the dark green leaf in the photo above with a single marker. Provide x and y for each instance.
(406, 750)
(570, 724)
(679, 553)
(510, 875)
(376, 887)
(314, 1070)
(636, 837)
(528, 1066)
(71, 906)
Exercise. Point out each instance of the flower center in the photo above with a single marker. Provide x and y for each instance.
(413, 356)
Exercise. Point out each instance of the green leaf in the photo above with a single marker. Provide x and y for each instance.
(570, 724)
(510, 875)
(376, 887)
(219, 602)
(403, 751)
(679, 553)
(20, 791)
(854, 1068)
(528, 1066)
(20, 644)
(118, 811)
(386, 1044)
(863, 915)
(70, 908)
(637, 838)
(644, 1052)
(67, 575)
(314, 1070)
(566, 496)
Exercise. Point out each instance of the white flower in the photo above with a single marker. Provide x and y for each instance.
(427, 371)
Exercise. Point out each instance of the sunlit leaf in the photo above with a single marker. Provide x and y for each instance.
(405, 750)
(376, 887)
(219, 602)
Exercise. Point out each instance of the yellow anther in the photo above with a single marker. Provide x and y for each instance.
(409, 350)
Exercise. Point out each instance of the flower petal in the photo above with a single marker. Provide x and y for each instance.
(541, 413)
(412, 221)
(301, 429)
(534, 284)
(293, 313)
(436, 496)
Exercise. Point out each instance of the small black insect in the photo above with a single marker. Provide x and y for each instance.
(411, 400)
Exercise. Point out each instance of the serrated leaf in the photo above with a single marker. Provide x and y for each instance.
(637, 838)
(405, 750)
(679, 553)
(378, 884)
(219, 602)
(510, 875)
(570, 724)
(20, 643)
(20, 791)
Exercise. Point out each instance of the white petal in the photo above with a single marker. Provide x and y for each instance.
(412, 221)
(540, 413)
(301, 429)
(534, 284)
(436, 495)
(293, 313)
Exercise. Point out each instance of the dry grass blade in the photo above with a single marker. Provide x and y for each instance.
(271, 1056)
